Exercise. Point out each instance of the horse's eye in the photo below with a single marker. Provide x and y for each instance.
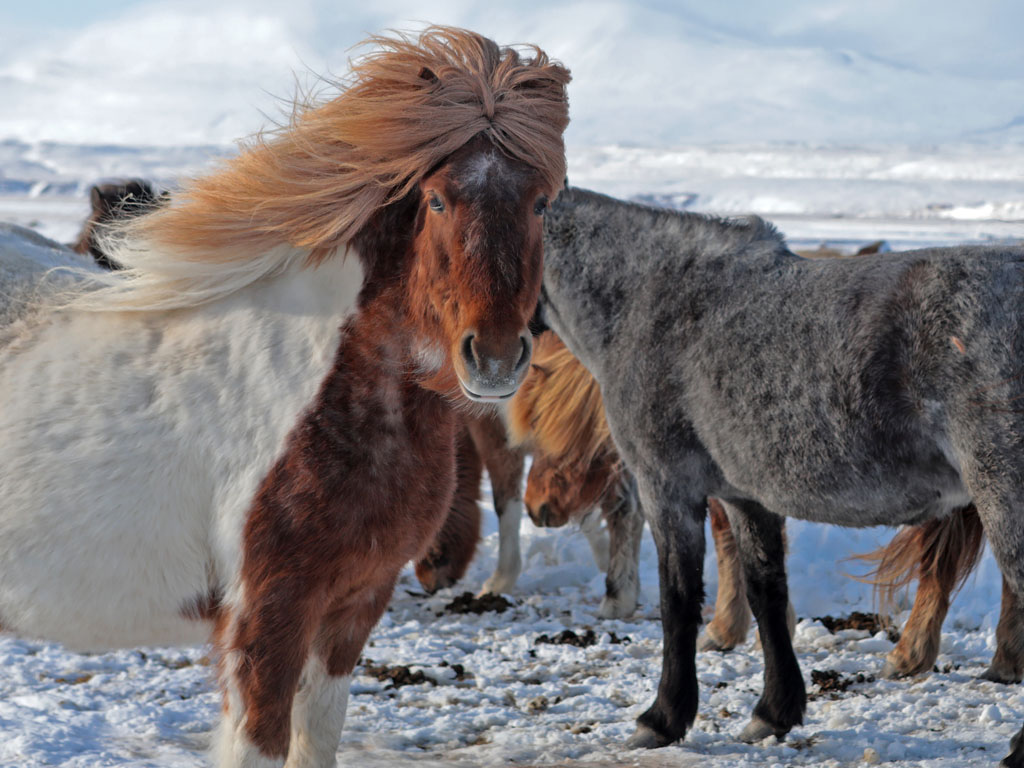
(436, 203)
(541, 205)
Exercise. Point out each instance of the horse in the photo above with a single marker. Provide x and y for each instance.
(556, 413)
(867, 391)
(111, 202)
(559, 414)
(269, 430)
(482, 442)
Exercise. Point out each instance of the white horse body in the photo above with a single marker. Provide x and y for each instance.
(143, 436)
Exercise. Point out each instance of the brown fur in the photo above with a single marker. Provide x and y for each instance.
(940, 555)
(483, 442)
(455, 544)
(1008, 662)
(504, 462)
(559, 409)
(945, 551)
(367, 476)
(559, 412)
(731, 622)
(405, 107)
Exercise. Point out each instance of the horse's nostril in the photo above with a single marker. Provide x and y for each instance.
(524, 358)
(467, 351)
(544, 514)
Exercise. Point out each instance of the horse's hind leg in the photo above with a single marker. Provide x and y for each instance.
(731, 622)
(759, 538)
(677, 525)
(505, 468)
(941, 553)
(1008, 662)
(625, 527)
(998, 493)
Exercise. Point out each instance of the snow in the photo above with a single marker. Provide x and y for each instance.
(524, 703)
(843, 122)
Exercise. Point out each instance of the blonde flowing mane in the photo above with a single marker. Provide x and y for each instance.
(300, 193)
(559, 408)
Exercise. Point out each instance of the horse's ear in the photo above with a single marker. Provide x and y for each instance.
(428, 74)
(98, 200)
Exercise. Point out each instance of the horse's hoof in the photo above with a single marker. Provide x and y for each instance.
(891, 670)
(496, 586)
(710, 641)
(758, 730)
(645, 738)
(996, 674)
(615, 609)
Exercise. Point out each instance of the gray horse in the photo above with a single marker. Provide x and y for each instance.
(871, 391)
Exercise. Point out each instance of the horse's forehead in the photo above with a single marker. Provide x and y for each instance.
(489, 171)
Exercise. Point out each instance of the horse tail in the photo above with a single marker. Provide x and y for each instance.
(945, 550)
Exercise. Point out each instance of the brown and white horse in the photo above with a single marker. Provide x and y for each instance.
(269, 431)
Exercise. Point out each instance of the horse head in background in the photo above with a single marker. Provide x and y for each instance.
(113, 201)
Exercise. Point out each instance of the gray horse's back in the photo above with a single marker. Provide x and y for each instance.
(26, 260)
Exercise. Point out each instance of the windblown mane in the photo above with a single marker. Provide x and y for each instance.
(297, 195)
(559, 408)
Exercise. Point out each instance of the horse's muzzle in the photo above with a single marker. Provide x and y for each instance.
(491, 372)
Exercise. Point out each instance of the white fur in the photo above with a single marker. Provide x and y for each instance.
(318, 715)
(597, 538)
(510, 561)
(133, 443)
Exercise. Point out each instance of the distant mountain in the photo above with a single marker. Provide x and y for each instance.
(651, 74)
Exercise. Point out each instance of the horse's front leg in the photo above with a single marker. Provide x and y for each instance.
(505, 469)
(677, 524)
(759, 538)
(318, 711)
(625, 523)
(269, 638)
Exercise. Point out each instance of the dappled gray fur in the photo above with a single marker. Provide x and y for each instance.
(26, 261)
(879, 390)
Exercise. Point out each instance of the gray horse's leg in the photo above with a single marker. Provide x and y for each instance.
(759, 537)
(625, 524)
(677, 524)
(996, 482)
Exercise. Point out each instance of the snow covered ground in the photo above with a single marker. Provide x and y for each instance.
(518, 701)
(843, 121)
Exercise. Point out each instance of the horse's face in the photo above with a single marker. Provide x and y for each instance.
(477, 272)
(556, 494)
